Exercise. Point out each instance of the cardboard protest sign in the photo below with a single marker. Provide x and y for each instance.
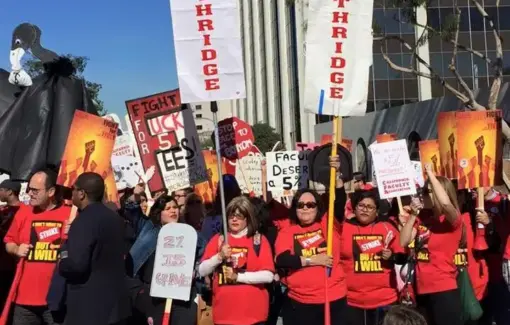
(479, 149)
(429, 154)
(207, 190)
(249, 172)
(287, 170)
(208, 50)
(174, 263)
(167, 141)
(236, 138)
(88, 148)
(418, 173)
(386, 137)
(303, 146)
(447, 138)
(123, 142)
(328, 138)
(393, 169)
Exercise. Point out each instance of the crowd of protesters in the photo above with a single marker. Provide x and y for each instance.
(97, 269)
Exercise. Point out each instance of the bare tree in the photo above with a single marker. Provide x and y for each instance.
(449, 32)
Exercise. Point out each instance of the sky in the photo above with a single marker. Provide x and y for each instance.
(129, 42)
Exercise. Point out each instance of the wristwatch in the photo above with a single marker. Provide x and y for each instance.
(308, 261)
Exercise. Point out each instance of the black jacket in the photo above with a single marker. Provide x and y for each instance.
(93, 265)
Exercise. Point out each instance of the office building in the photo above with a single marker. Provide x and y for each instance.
(204, 117)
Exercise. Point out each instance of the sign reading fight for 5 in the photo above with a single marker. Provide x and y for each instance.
(287, 170)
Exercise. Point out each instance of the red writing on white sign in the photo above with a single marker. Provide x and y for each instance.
(173, 279)
(396, 185)
(209, 55)
(174, 260)
(338, 33)
(173, 242)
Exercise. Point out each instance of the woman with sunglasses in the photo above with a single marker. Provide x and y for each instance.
(301, 252)
(142, 257)
(438, 225)
(241, 268)
(370, 248)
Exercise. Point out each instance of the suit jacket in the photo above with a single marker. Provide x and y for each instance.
(93, 265)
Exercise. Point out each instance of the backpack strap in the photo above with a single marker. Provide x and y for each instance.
(256, 243)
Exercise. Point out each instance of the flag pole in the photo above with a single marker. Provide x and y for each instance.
(214, 110)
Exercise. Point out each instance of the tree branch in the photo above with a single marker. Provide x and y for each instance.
(452, 66)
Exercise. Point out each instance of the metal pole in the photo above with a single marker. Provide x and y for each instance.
(214, 110)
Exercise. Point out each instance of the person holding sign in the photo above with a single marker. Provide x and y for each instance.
(141, 263)
(438, 225)
(241, 267)
(301, 250)
(370, 248)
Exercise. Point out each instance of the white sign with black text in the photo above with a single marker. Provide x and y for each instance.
(287, 170)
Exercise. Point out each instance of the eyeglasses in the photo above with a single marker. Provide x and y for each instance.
(34, 190)
(308, 205)
(179, 195)
(369, 208)
(237, 215)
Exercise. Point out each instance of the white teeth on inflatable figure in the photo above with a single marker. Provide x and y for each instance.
(20, 78)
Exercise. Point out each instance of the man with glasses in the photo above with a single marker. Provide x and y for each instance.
(35, 237)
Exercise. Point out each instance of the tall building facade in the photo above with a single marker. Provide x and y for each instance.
(274, 58)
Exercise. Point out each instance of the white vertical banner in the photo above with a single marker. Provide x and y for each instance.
(207, 40)
(338, 56)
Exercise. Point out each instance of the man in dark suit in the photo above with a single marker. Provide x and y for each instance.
(92, 260)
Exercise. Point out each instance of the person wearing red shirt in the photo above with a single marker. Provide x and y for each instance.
(35, 237)
(301, 252)
(496, 219)
(241, 267)
(437, 238)
(370, 248)
(358, 184)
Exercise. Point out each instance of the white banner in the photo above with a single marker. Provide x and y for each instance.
(393, 169)
(287, 170)
(174, 263)
(208, 50)
(183, 166)
(338, 56)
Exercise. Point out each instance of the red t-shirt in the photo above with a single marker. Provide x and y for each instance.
(240, 304)
(436, 243)
(506, 256)
(502, 227)
(476, 267)
(306, 285)
(44, 231)
(371, 281)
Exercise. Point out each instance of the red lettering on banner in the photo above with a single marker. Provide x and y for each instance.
(338, 63)
(205, 26)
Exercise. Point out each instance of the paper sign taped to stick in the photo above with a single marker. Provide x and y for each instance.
(287, 170)
(208, 51)
(249, 173)
(174, 264)
(393, 169)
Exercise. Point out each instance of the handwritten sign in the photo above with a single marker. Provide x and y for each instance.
(393, 169)
(287, 170)
(249, 172)
(174, 265)
(236, 138)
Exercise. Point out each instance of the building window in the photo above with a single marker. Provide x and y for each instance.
(198, 107)
(198, 116)
(199, 127)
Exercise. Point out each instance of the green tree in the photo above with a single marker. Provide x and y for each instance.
(448, 33)
(206, 143)
(265, 136)
(34, 67)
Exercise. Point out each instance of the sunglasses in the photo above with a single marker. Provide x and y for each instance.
(309, 205)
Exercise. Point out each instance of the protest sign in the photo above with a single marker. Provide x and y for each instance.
(123, 142)
(111, 189)
(88, 148)
(287, 170)
(418, 173)
(174, 263)
(249, 172)
(393, 169)
(479, 148)
(338, 57)
(207, 190)
(167, 141)
(386, 137)
(236, 138)
(447, 138)
(208, 51)
(429, 154)
(303, 146)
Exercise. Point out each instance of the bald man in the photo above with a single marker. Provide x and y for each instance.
(93, 259)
